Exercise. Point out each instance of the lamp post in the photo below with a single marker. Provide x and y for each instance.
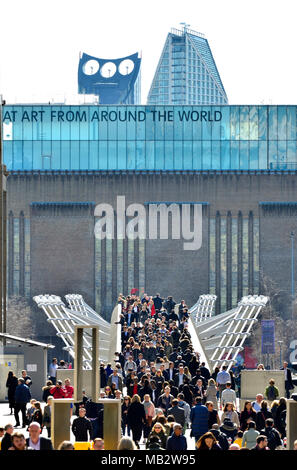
(3, 245)
(292, 273)
(280, 353)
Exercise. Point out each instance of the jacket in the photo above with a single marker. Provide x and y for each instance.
(6, 442)
(187, 409)
(249, 438)
(164, 403)
(221, 438)
(273, 437)
(57, 392)
(163, 438)
(45, 443)
(46, 392)
(47, 416)
(233, 417)
(262, 415)
(120, 382)
(199, 419)
(289, 379)
(22, 394)
(80, 428)
(136, 414)
(211, 395)
(176, 442)
(178, 413)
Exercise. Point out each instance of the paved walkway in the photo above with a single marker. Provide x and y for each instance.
(7, 418)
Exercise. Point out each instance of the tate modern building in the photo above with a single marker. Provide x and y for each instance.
(222, 176)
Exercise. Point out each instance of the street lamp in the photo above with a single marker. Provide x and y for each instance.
(292, 272)
(280, 353)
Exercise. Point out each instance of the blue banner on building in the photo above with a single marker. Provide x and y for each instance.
(268, 336)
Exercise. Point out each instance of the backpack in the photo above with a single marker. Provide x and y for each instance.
(273, 438)
(271, 393)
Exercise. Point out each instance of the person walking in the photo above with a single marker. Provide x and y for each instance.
(177, 441)
(47, 413)
(6, 442)
(273, 436)
(222, 378)
(158, 431)
(35, 441)
(52, 371)
(37, 416)
(199, 419)
(231, 413)
(248, 414)
(211, 393)
(46, 390)
(249, 439)
(149, 409)
(228, 395)
(208, 442)
(262, 415)
(213, 416)
(178, 412)
(82, 427)
(165, 400)
(125, 407)
(288, 379)
(11, 384)
(136, 418)
(271, 391)
(22, 397)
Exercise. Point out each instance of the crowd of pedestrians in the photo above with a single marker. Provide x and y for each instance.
(165, 389)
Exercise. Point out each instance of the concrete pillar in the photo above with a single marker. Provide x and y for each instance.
(111, 422)
(291, 422)
(78, 362)
(60, 421)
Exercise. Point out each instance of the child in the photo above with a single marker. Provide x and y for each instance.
(238, 439)
(31, 410)
(37, 415)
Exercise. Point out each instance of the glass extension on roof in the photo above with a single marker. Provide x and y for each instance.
(149, 138)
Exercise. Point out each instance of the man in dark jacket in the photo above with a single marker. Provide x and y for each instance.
(288, 379)
(158, 302)
(165, 400)
(175, 337)
(199, 376)
(177, 412)
(220, 436)
(81, 426)
(169, 304)
(35, 441)
(6, 442)
(22, 397)
(204, 371)
(199, 419)
(177, 441)
(272, 434)
(179, 378)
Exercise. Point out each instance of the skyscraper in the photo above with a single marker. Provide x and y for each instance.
(186, 72)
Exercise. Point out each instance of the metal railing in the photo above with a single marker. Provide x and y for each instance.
(64, 321)
(203, 309)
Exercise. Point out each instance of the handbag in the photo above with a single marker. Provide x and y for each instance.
(149, 420)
